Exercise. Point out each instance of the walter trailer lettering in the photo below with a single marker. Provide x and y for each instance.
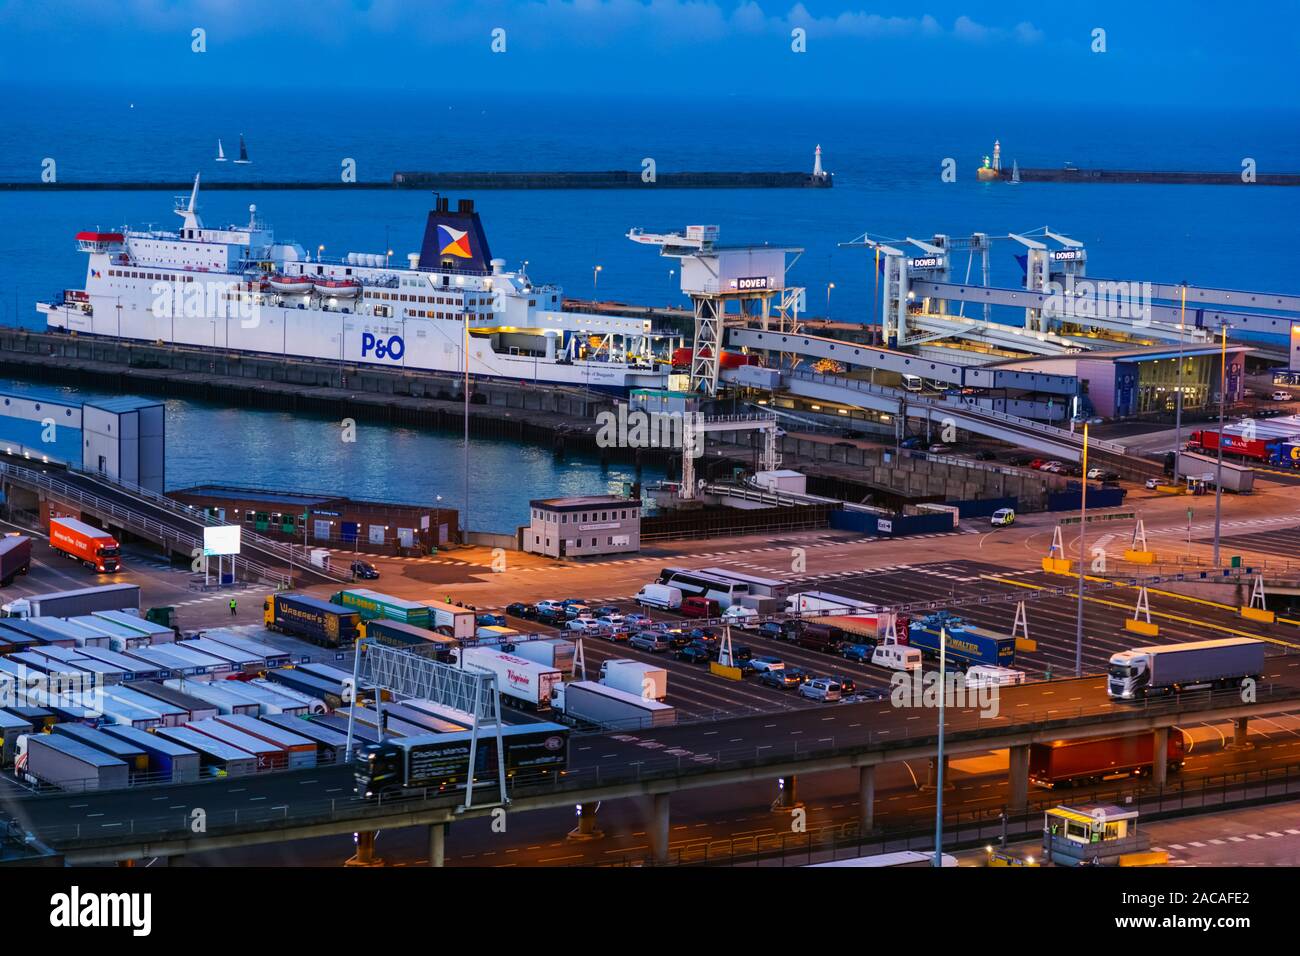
(93, 547)
(311, 618)
(966, 645)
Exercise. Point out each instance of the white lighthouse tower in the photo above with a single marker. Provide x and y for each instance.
(818, 172)
(997, 155)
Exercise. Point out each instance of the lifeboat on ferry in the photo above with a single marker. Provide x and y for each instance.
(299, 285)
(338, 288)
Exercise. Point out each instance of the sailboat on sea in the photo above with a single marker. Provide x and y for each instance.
(221, 153)
(1015, 173)
(243, 159)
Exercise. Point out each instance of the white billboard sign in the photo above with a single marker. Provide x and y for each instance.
(223, 539)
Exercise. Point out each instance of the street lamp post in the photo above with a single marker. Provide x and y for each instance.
(1083, 529)
(943, 695)
(829, 286)
(595, 276)
(1218, 470)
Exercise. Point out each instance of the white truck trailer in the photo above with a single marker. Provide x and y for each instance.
(520, 681)
(633, 677)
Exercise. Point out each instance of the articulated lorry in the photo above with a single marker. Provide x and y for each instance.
(69, 764)
(610, 707)
(1172, 668)
(453, 621)
(1094, 759)
(15, 557)
(311, 618)
(108, 597)
(633, 677)
(93, 547)
(966, 644)
(520, 681)
(373, 604)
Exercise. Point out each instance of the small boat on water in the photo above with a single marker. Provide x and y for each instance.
(221, 153)
(243, 159)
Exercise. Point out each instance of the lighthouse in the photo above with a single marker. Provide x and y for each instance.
(997, 155)
(818, 172)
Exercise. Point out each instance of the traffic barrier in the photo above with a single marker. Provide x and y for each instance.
(1259, 614)
(1025, 645)
(1170, 490)
(1142, 627)
(1139, 557)
(727, 673)
(1148, 858)
(1056, 565)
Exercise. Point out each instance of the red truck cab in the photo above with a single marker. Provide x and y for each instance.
(93, 547)
(700, 607)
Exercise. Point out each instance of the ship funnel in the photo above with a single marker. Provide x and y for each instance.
(498, 267)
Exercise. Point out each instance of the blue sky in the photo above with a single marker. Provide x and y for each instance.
(1191, 54)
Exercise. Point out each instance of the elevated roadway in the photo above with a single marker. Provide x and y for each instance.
(92, 827)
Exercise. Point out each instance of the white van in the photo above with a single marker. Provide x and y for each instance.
(1003, 518)
(820, 688)
(740, 616)
(987, 675)
(896, 657)
(1281, 396)
(660, 596)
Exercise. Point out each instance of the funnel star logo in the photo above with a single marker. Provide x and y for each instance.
(454, 242)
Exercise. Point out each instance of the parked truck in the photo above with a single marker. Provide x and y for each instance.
(554, 652)
(15, 557)
(397, 634)
(809, 603)
(1236, 477)
(966, 644)
(93, 547)
(610, 707)
(870, 628)
(633, 677)
(69, 764)
(1171, 668)
(373, 604)
(1094, 759)
(453, 621)
(311, 618)
(530, 752)
(107, 597)
(520, 681)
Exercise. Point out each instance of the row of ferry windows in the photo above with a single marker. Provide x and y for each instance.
(541, 515)
(152, 276)
(430, 299)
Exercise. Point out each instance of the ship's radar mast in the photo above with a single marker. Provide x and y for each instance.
(188, 210)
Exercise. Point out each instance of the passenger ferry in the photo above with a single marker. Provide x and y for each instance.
(236, 288)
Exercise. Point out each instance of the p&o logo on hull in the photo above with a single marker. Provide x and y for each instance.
(383, 348)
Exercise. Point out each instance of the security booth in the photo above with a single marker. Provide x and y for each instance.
(1091, 835)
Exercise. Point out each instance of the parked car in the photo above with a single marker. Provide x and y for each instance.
(527, 611)
(549, 607)
(583, 625)
(861, 653)
(740, 616)
(791, 629)
(574, 611)
(1151, 484)
(847, 684)
(912, 442)
(940, 449)
(364, 570)
(677, 638)
(694, 653)
(786, 678)
(1281, 396)
(651, 641)
(773, 630)
(761, 665)
(741, 653)
(703, 634)
(695, 606)
(491, 620)
(1021, 460)
(553, 616)
(639, 619)
(1110, 476)
(985, 455)
(825, 689)
(1095, 473)
(607, 609)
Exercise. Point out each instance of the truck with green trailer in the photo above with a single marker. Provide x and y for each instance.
(373, 604)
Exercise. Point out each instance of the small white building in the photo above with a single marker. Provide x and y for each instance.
(583, 526)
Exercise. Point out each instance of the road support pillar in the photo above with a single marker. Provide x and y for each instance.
(586, 828)
(1018, 800)
(932, 775)
(365, 855)
(1240, 734)
(659, 819)
(1160, 756)
(866, 799)
(787, 794)
(437, 844)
